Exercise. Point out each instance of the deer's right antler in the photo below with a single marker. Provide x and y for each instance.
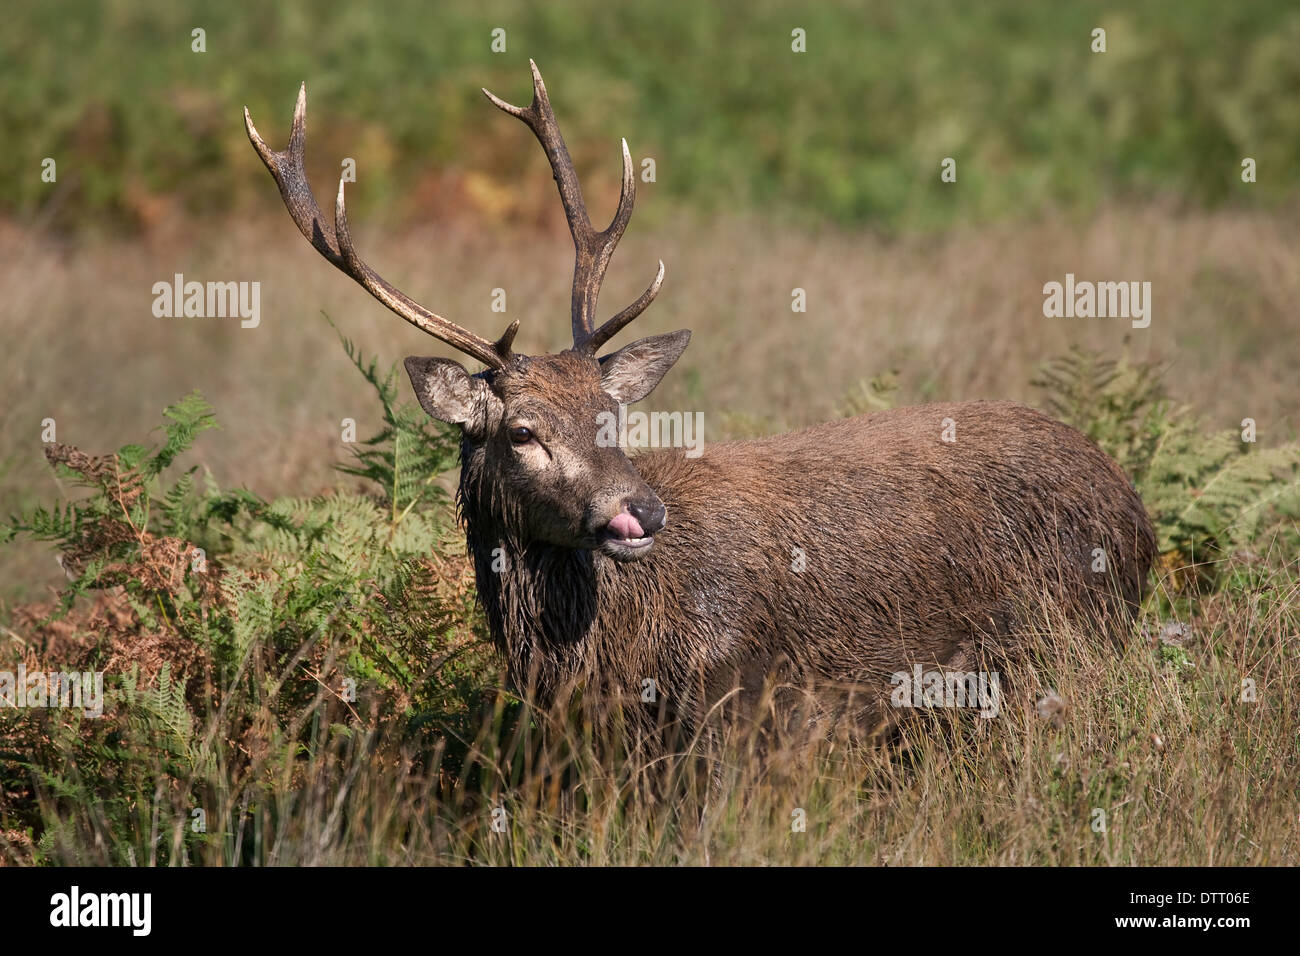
(592, 249)
(335, 243)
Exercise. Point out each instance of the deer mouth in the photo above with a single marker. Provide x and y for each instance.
(624, 538)
(626, 549)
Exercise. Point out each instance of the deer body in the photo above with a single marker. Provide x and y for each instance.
(827, 559)
(835, 556)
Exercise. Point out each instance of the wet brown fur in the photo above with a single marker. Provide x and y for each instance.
(915, 550)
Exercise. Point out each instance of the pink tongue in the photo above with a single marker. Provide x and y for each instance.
(625, 526)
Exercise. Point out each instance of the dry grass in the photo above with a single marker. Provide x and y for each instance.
(1149, 758)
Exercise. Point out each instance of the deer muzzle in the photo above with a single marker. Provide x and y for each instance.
(630, 533)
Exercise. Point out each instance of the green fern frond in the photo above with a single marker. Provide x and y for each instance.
(409, 452)
(1204, 490)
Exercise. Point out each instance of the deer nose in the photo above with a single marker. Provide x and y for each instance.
(651, 515)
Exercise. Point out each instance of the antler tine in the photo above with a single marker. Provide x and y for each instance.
(615, 325)
(334, 242)
(592, 250)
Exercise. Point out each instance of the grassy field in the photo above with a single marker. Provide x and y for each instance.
(776, 171)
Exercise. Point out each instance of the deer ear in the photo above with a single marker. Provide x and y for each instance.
(631, 373)
(449, 393)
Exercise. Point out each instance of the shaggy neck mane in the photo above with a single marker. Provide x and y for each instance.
(540, 599)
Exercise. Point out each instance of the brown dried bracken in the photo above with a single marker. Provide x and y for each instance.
(122, 486)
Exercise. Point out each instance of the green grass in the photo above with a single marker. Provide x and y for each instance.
(851, 131)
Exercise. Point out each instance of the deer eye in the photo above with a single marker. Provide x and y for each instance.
(521, 435)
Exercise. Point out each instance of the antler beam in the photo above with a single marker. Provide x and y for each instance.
(592, 249)
(334, 242)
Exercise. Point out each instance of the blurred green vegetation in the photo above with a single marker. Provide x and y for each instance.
(852, 131)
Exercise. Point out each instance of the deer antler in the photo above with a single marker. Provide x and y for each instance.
(592, 249)
(335, 243)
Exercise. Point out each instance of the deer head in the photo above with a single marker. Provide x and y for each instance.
(530, 424)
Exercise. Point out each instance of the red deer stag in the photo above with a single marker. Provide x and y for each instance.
(831, 558)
